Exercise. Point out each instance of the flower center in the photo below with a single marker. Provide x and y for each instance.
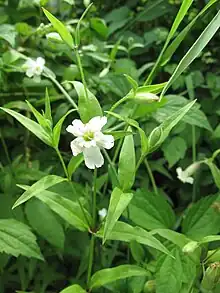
(88, 136)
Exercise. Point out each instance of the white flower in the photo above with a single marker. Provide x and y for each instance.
(89, 140)
(34, 68)
(186, 175)
(102, 213)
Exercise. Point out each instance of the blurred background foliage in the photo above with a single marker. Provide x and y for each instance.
(117, 37)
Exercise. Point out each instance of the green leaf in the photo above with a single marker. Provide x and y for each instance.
(60, 28)
(106, 276)
(160, 133)
(194, 51)
(118, 133)
(17, 239)
(89, 107)
(30, 125)
(126, 167)
(181, 36)
(8, 33)
(48, 107)
(203, 218)
(44, 222)
(151, 211)
(67, 209)
(40, 118)
(193, 117)
(173, 236)
(73, 289)
(118, 203)
(41, 185)
(57, 129)
(74, 163)
(210, 238)
(179, 17)
(215, 172)
(174, 150)
(99, 26)
(169, 275)
(124, 232)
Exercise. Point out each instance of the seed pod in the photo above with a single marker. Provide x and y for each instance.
(150, 286)
(211, 277)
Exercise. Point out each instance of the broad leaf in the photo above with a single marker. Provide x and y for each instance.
(88, 105)
(169, 275)
(44, 222)
(106, 276)
(173, 236)
(60, 28)
(194, 51)
(118, 203)
(203, 218)
(151, 211)
(126, 167)
(41, 185)
(67, 209)
(17, 239)
(30, 125)
(73, 289)
(127, 233)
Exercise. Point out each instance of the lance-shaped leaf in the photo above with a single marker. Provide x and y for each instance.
(41, 185)
(73, 289)
(118, 203)
(30, 125)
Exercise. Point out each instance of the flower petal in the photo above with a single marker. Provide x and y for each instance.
(40, 62)
(189, 180)
(104, 141)
(96, 123)
(93, 157)
(30, 72)
(76, 146)
(77, 128)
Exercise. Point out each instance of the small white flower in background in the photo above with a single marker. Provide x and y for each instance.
(89, 140)
(102, 213)
(186, 175)
(34, 68)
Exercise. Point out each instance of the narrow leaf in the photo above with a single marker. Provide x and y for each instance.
(74, 164)
(118, 203)
(73, 289)
(47, 107)
(30, 125)
(57, 129)
(60, 28)
(41, 185)
(194, 51)
(106, 276)
(67, 209)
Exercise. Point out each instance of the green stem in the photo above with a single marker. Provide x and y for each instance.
(6, 152)
(193, 144)
(215, 154)
(69, 180)
(63, 91)
(92, 242)
(119, 102)
(91, 257)
(79, 63)
(151, 176)
(139, 163)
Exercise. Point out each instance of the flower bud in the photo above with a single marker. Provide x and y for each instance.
(150, 286)
(190, 247)
(86, 3)
(54, 37)
(211, 277)
(142, 96)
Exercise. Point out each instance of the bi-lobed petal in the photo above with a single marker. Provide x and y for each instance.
(93, 157)
(104, 141)
(76, 146)
(96, 123)
(40, 62)
(77, 128)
